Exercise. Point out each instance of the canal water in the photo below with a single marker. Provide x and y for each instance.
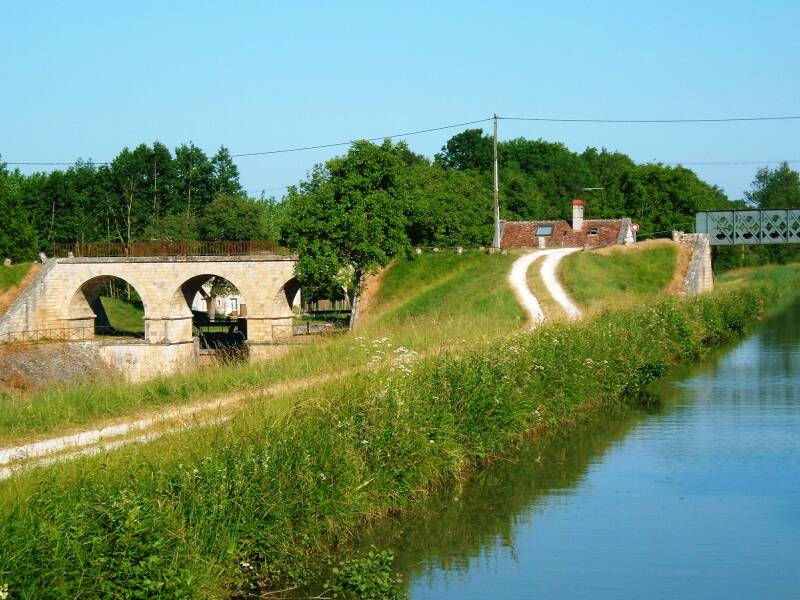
(697, 496)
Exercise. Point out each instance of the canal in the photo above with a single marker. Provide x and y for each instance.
(696, 495)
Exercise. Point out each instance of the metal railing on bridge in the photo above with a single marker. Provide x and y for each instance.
(169, 248)
(750, 226)
(64, 334)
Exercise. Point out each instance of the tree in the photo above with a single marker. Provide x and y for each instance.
(225, 173)
(160, 180)
(349, 216)
(470, 149)
(775, 188)
(128, 206)
(194, 176)
(233, 217)
(448, 207)
(17, 236)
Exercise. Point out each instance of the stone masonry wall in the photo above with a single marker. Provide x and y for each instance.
(699, 274)
(57, 302)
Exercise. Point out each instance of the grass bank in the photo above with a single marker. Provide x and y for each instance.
(426, 302)
(618, 277)
(12, 275)
(249, 505)
(124, 316)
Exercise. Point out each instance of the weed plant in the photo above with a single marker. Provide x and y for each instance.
(251, 506)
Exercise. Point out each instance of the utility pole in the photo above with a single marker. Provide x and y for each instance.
(496, 242)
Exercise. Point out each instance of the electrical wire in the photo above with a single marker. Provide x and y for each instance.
(464, 124)
(645, 121)
(374, 139)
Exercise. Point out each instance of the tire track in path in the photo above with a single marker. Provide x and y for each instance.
(518, 279)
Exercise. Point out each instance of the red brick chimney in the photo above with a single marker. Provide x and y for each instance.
(577, 214)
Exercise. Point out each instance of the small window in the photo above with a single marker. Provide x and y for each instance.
(542, 230)
(593, 231)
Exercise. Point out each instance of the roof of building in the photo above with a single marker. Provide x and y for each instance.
(516, 234)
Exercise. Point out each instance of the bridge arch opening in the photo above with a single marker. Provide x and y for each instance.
(107, 306)
(219, 312)
(284, 307)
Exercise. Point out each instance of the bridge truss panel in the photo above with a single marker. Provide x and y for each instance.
(733, 227)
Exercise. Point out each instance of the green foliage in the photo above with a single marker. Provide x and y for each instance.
(449, 208)
(175, 227)
(17, 236)
(181, 517)
(225, 173)
(368, 577)
(234, 217)
(349, 217)
(12, 275)
(470, 149)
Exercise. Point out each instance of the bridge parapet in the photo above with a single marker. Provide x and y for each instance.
(750, 226)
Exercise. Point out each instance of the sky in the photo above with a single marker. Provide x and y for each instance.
(85, 79)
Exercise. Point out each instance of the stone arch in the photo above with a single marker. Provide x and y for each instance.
(284, 299)
(86, 315)
(184, 297)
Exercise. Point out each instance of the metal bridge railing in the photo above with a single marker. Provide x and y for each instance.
(61, 334)
(750, 226)
(169, 248)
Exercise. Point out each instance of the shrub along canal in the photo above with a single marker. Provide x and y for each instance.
(696, 496)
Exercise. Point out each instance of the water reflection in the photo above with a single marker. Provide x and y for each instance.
(699, 498)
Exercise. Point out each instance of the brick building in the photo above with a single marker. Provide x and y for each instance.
(561, 234)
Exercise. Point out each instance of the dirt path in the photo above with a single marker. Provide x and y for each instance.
(519, 283)
(115, 434)
(548, 273)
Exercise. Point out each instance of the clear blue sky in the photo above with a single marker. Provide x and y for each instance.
(84, 79)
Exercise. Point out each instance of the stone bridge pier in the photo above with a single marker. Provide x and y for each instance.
(63, 303)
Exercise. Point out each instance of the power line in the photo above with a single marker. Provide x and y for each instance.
(644, 121)
(374, 139)
(56, 164)
(283, 150)
(732, 162)
(454, 126)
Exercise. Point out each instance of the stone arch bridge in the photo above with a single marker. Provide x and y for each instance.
(59, 305)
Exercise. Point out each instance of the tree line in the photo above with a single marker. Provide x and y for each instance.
(357, 211)
(147, 193)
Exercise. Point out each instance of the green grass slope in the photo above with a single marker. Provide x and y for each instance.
(12, 275)
(620, 277)
(125, 317)
(436, 299)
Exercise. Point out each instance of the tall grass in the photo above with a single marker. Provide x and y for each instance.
(620, 277)
(427, 302)
(249, 505)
